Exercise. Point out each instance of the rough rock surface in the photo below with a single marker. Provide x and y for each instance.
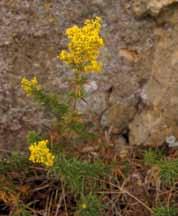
(160, 119)
(119, 113)
(152, 7)
(137, 90)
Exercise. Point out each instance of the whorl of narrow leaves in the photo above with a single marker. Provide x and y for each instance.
(165, 211)
(89, 205)
(74, 171)
(168, 168)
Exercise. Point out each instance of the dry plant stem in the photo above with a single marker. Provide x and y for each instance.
(157, 192)
(169, 196)
(123, 191)
(138, 200)
(58, 205)
(35, 213)
(51, 203)
(63, 196)
(108, 138)
(40, 188)
(109, 192)
(38, 168)
(121, 174)
(46, 207)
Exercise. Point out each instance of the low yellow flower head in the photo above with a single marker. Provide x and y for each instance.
(30, 85)
(84, 206)
(40, 153)
(84, 46)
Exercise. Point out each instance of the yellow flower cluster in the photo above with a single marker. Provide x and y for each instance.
(29, 85)
(40, 153)
(84, 46)
(84, 206)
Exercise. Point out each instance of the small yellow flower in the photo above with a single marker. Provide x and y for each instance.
(93, 66)
(84, 46)
(40, 153)
(84, 206)
(30, 85)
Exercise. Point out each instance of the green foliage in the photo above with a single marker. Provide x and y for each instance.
(15, 162)
(22, 209)
(33, 137)
(168, 171)
(152, 157)
(51, 103)
(62, 111)
(89, 205)
(168, 168)
(164, 211)
(74, 171)
(81, 130)
(79, 176)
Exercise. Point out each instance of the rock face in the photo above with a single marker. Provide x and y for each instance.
(137, 91)
(119, 113)
(161, 91)
(152, 7)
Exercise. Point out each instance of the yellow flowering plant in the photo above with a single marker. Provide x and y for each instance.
(40, 153)
(82, 55)
(83, 51)
(29, 86)
(89, 205)
(84, 46)
(82, 180)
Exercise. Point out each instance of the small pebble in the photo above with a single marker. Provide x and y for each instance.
(171, 139)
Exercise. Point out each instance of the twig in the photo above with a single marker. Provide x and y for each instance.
(123, 191)
(58, 205)
(63, 196)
